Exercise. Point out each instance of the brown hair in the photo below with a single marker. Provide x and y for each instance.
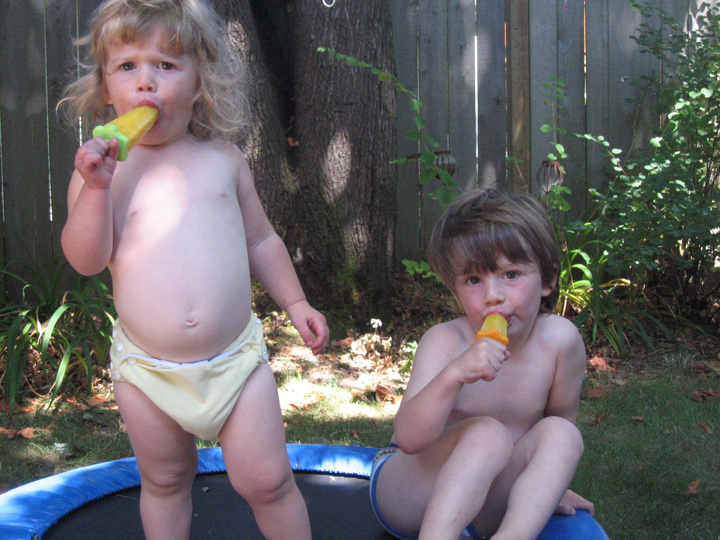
(480, 225)
(192, 27)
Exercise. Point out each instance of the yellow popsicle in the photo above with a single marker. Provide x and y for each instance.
(494, 327)
(129, 128)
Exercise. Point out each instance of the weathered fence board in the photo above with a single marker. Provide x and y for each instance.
(25, 136)
(483, 102)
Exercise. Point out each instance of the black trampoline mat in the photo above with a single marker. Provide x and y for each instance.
(339, 509)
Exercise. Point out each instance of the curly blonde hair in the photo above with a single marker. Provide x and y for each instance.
(220, 110)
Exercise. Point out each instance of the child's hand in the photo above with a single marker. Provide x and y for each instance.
(481, 361)
(571, 502)
(311, 325)
(96, 160)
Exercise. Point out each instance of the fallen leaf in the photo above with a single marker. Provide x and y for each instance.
(4, 407)
(10, 433)
(599, 392)
(385, 394)
(345, 343)
(639, 419)
(598, 363)
(693, 488)
(94, 401)
(705, 395)
(595, 421)
(705, 428)
(355, 434)
(292, 142)
(27, 433)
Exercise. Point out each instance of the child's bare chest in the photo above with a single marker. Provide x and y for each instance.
(168, 197)
(517, 397)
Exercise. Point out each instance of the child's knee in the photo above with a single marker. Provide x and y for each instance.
(487, 432)
(563, 435)
(169, 479)
(265, 485)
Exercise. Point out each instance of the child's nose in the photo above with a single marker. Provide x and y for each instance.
(146, 80)
(493, 293)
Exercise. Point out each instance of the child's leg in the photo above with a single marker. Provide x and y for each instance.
(167, 459)
(253, 442)
(528, 491)
(444, 486)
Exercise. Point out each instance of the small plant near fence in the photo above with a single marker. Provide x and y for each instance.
(54, 337)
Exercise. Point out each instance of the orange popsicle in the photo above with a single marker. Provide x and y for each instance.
(494, 327)
(129, 128)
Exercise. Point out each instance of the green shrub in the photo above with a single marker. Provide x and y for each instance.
(659, 216)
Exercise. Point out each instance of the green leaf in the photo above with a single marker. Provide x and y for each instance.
(413, 135)
(428, 159)
(426, 176)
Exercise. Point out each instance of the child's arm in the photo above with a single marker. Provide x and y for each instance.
(87, 237)
(564, 397)
(270, 263)
(438, 375)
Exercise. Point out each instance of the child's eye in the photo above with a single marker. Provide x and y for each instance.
(512, 274)
(166, 66)
(473, 280)
(127, 66)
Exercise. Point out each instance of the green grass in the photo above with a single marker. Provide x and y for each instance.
(645, 445)
(644, 442)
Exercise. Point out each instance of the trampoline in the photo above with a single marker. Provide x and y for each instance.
(101, 501)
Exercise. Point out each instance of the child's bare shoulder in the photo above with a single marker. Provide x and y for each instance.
(558, 334)
(551, 328)
(224, 148)
(449, 334)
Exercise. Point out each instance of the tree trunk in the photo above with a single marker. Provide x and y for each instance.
(323, 137)
(346, 130)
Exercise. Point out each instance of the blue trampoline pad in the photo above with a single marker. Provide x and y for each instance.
(101, 501)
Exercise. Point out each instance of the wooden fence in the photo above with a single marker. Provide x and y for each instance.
(479, 67)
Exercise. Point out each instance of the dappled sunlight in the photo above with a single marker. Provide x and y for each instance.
(339, 155)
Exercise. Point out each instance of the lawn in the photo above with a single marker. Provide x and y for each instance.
(651, 426)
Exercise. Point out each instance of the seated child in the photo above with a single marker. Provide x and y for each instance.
(485, 442)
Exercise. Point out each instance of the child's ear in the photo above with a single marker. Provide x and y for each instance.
(548, 289)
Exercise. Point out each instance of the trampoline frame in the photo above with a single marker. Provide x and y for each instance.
(29, 511)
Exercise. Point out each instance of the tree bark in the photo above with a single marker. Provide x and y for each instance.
(323, 136)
